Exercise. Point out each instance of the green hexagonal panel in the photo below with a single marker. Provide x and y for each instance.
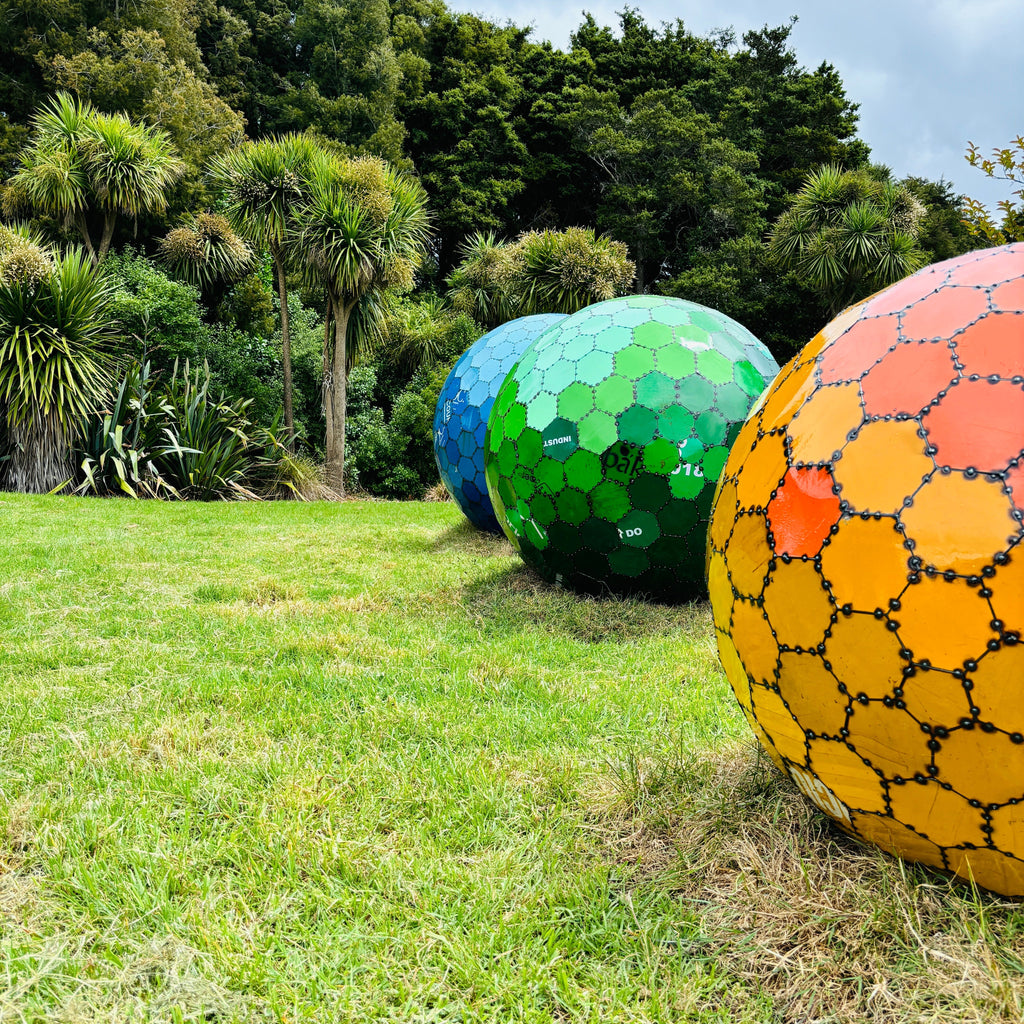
(515, 421)
(649, 492)
(676, 424)
(610, 500)
(661, 456)
(576, 401)
(550, 474)
(747, 376)
(573, 506)
(656, 390)
(583, 469)
(654, 335)
(637, 424)
(558, 377)
(628, 561)
(696, 393)
(711, 427)
(598, 431)
(732, 402)
(529, 448)
(639, 529)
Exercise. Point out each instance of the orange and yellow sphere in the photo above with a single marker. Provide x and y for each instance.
(866, 568)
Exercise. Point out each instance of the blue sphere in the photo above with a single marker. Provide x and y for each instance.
(460, 420)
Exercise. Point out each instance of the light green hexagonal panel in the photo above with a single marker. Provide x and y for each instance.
(715, 366)
(515, 421)
(675, 423)
(613, 339)
(576, 401)
(711, 427)
(541, 411)
(614, 394)
(653, 335)
(696, 393)
(694, 335)
(749, 379)
(732, 401)
(558, 377)
(676, 361)
(597, 431)
(631, 316)
(594, 367)
(634, 361)
(550, 475)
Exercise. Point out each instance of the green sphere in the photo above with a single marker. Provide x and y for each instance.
(606, 440)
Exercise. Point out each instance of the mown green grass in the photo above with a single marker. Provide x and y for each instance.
(352, 762)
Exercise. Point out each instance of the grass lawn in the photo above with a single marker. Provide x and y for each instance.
(352, 762)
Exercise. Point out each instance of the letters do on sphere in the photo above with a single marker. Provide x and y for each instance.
(460, 419)
(866, 570)
(606, 439)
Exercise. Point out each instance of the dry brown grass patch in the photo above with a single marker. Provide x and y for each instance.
(832, 930)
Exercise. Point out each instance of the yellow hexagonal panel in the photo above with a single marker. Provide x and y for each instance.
(786, 735)
(937, 814)
(757, 645)
(748, 554)
(984, 766)
(718, 583)
(1008, 828)
(890, 739)
(991, 869)
(1007, 588)
(726, 507)
(797, 604)
(937, 698)
(865, 563)
(959, 523)
(787, 394)
(734, 670)
(895, 837)
(843, 771)
(865, 655)
(812, 693)
(885, 463)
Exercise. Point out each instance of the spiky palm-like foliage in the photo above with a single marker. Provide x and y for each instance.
(263, 184)
(540, 272)
(205, 250)
(55, 338)
(362, 229)
(81, 165)
(849, 233)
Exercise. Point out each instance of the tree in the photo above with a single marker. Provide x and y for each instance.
(362, 228)
(56, 334)
(1005, 165)
(205, 250)
(83, 167)
(263, 185)
(540, 272)
(850, 233)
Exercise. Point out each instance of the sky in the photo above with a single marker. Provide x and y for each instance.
(929, 75)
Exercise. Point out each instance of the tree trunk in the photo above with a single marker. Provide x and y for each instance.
(39, 456)
(108, 233)
(335, 400)
(286, 355)
(83, 230)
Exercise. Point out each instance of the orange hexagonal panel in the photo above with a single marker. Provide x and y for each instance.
(978, 425)
(947, 311)
(820, 428)
(761, 472)
(941, 815)
(995, 688)
(864, 563)
(988, 767)
(908, 379)
(1007, 588)
(812, 693)
(803, 511)
(982, 348)
(1015, 482)
(884, 464)
(935, 522)
(890, 739)
(1009, 296)
(844, 772)
(944, 623)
